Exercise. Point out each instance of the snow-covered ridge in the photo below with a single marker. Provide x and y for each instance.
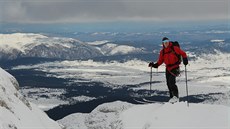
(98, 42)
(107, 48)
(21, 37)
(114, 49)
(18, 45)
(18, 113)
(172, 116)
(36, 45)
(217, 32)
(105, 116)
(18, 41)
(217, 40)
(122, 115)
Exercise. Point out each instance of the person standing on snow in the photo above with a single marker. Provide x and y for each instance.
(169, 55)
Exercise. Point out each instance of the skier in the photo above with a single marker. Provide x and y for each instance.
(170, 55)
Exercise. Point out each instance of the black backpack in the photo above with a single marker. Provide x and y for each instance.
(175, 43)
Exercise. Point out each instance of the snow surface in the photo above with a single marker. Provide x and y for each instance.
(18, 113)
(114, 49)
(217, 40)
(122, 115)
(98, 42)
(18, 40)
(105, 116)
(39, 97)
(24, 41)
(176, 116)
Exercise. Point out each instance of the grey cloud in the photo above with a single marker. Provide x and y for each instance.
(111, 10)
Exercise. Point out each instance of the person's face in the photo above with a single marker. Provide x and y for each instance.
(166, 43)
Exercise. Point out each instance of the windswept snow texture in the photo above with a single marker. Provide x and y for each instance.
(105, 116)
(18, 113)
(176, 116)
(121, 115)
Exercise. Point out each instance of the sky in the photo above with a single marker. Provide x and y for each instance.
(75, 11)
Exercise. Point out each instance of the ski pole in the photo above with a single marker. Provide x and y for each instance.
(186, 79)
(150, 87)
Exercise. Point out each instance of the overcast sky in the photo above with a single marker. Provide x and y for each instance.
(61, 11)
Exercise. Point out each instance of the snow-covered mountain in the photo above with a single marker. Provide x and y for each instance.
(36, 45)
(18, 45)
(122, 115)
(18, 113)
(107, 48)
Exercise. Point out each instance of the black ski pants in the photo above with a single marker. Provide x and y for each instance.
(171, 82)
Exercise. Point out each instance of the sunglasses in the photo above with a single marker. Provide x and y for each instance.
(165, 41)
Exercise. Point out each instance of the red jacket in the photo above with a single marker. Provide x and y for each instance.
(168, 56)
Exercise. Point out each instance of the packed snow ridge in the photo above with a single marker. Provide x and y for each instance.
(122, 115)
(18, 113)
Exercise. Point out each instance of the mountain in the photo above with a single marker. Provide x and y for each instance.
(122, 115)
(18, 113)
(18, 45)
(107, 48)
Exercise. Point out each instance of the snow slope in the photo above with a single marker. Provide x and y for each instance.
(105, 116)
(114, 49)
(18, 41)
(18, 113)
(176, 116)
(122, 115)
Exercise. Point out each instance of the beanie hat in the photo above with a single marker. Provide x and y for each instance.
(165, 38)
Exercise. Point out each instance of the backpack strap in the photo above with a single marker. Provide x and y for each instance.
(172, 50)
(177, 55)
(172, 47)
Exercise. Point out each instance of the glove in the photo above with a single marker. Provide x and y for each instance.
(185, 61)
(155, 65)
(151, 64)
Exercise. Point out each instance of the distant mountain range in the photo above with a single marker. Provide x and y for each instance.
(20, 45)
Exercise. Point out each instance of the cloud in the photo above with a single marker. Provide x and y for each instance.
(54, 11)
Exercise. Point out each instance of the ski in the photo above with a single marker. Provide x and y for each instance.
(141, 101)
(152, 101)
(146, 101)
